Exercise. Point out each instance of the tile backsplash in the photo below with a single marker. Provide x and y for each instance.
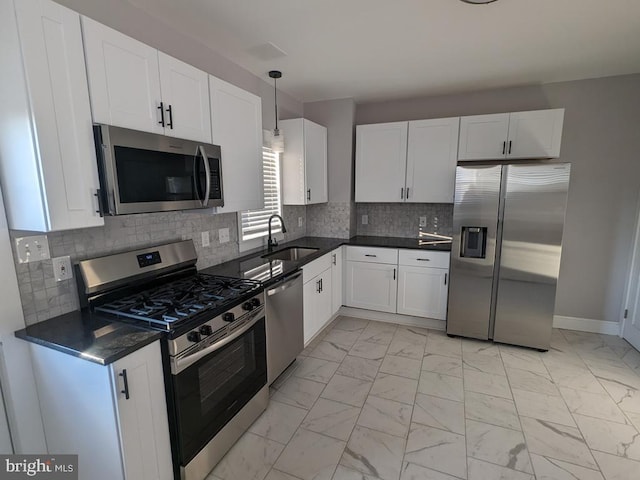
(330, 220)
(403, 219)
(42, 297)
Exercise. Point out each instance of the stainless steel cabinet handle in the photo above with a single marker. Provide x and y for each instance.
(123, 374)
(370, 255)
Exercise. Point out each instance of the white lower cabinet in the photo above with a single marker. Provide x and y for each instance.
(336, 279)
(317, 304)
(422, 292)
(113, 417)
(372, 286)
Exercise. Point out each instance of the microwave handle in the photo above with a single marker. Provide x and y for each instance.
(207, 169)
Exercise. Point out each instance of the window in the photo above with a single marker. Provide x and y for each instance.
(254, 223)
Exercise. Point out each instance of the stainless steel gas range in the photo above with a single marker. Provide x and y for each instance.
(214, 346)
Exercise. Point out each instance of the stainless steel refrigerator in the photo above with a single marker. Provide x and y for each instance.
(505, 254)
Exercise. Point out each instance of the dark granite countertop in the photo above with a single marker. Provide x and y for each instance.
(88, 336)
(269, 271)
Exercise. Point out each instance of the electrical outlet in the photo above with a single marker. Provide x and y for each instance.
(223, 235)
(423, 221)
(62, 268)
(365, 219)
(205, 239)
(32, 249)
(299, 221)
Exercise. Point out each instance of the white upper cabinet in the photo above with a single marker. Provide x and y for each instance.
(124, 79)
(381, 157)
(185, 97)
(47, 156)
(135, 86)
(483, 137)
(236, 117)
(431, 160)
(407, 161)
(304, 162)
(534, 134)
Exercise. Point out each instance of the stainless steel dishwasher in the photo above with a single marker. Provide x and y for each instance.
(285, 337)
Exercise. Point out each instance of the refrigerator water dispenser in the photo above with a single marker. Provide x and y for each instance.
(474, 242)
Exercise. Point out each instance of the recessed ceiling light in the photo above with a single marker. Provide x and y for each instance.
(478, 2)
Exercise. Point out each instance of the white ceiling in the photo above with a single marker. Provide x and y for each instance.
(376, 50)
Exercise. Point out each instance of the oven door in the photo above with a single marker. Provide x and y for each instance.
(212, 387)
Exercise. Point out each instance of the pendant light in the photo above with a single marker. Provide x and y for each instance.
(277, 140)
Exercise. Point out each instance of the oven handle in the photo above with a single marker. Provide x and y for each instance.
(180, 363)
(207, 170)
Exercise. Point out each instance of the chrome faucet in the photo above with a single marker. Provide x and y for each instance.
(272, 242)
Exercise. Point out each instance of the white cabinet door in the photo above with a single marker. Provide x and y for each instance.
(422, 292)
(185, 97)
(381, 157)
(324, 307)
(315, 156)
(336, 279)
(49, 169)
(142, 418)
(310, 291)
(236, 121)
(372, 286)
(483, 137)
(432, 155)
(124, 79)
(535, 134)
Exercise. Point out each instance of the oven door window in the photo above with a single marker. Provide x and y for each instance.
(210, 392)
(153, 176)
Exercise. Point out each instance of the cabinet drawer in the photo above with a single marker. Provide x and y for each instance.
(373, 255)
(423, 258)
(315, 268)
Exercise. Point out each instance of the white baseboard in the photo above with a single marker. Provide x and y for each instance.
(407, 320)
(586, 325)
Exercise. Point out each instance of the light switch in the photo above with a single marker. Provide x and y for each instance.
(205, 239)
(365, 219)
(299, 221)
(32, 249)
(423, 221)
(223, 235)
(62, 268)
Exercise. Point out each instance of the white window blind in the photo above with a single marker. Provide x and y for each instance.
(255, 222)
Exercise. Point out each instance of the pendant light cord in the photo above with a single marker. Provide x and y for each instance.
(275, 99)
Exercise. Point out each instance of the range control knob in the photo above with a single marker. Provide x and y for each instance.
(255, 302)
(206, 330)
(194, 336)
(228, 317)
(248, 306)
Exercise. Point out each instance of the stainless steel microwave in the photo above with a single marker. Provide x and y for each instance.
(145, 172)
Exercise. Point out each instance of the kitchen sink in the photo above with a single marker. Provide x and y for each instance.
(291, 253)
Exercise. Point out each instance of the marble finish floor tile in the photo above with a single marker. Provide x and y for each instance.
(439, 413)
(374, 453)
(409, 403)
(396, 388)
(351, 391)
(616, 468)
(498, 445)
(436, 449)
(444, 386)
(442, 364)
(316, 369)
(250, 458)
(542, 407)
(331, 418)
(358, 367)
(609, 437)
(278, 422)
(386, 416)
(557, 441)
(401, 366)
(552, 469)
(299, 392)
(494, 410)
(479, 470)
(310, 456)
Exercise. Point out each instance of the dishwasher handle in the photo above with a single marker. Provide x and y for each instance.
(283, 284)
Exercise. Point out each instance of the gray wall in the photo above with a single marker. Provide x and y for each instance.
(335, 219)
(601, 139)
